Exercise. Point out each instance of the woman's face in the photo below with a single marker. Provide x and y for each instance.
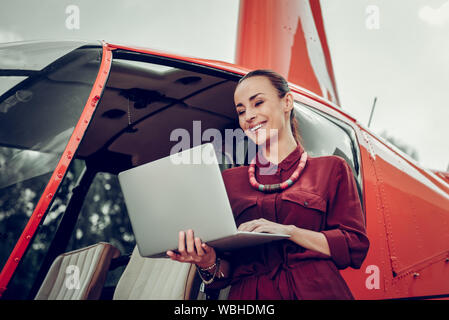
(261, 112)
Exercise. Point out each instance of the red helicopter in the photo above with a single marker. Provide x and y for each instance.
(75, 114)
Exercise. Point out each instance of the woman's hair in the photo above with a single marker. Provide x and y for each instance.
(281, 85)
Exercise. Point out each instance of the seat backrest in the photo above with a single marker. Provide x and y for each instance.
(78, 274)
(155, 279)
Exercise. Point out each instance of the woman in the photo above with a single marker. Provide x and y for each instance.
(314, 200)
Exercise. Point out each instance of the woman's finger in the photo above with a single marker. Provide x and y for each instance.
(182, 243)
(190, 243)
(173, 256)
(199, 249)
(206, 248)
(170, 254)
(263, 229)
(252, 225)
(246, 226)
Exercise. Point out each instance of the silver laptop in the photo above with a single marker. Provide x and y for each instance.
(180, 192)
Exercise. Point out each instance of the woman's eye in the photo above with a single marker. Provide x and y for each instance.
(241, 112)
(259, 102)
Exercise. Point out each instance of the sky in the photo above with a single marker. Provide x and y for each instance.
(403, 61)
(397, 51)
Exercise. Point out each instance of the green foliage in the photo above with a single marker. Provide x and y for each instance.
(411, 151)
(103, 217)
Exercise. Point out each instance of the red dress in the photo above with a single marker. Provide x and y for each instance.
(324, 199)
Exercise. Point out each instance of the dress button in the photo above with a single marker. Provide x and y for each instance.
(306, 203)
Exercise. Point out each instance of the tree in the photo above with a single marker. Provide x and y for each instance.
(412, 152)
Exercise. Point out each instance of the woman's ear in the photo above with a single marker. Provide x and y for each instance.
(288, 102)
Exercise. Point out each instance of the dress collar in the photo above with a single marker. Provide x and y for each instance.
(285, 164)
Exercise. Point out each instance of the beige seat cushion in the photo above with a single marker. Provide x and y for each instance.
(155, 279)
(78, 274)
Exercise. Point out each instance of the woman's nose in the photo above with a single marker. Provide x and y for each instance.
(250, 115)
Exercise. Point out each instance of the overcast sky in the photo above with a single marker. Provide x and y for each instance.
(404, 62)
(397, 50)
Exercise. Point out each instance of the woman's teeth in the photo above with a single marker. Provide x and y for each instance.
(256, 127)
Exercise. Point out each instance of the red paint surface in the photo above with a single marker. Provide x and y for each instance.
(271, 36)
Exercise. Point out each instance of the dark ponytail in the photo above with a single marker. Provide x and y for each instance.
(281, 85)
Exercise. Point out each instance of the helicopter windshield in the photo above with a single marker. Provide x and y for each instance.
(44, 87)
(42, 92)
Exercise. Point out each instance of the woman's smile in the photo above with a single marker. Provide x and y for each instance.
(256, 127)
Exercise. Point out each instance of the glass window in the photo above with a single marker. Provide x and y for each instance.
(28, 269)
(34, 55)
(323, 135)
(37, 118)
(7, 83)
(103, 217)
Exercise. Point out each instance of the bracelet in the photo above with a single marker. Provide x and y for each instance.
(210, 267)
(202, 272)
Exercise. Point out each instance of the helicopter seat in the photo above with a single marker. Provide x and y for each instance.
(156, 279)
(78, 274)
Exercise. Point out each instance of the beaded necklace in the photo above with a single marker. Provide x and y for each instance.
(277, 186)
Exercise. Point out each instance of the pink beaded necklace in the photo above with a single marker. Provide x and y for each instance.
(277, 186)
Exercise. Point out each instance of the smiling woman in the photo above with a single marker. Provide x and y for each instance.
(314, 200)
(274, 85)
(147, 97)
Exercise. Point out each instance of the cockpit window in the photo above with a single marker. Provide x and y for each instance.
(34, 55)
(43, 90)
(323, 135)
(39, 113)
(7, 83)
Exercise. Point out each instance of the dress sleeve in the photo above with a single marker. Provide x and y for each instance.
(345, 223)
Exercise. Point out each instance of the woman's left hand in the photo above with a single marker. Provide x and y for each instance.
(263, 225)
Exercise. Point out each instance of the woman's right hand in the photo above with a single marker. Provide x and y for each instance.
(192, 250)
